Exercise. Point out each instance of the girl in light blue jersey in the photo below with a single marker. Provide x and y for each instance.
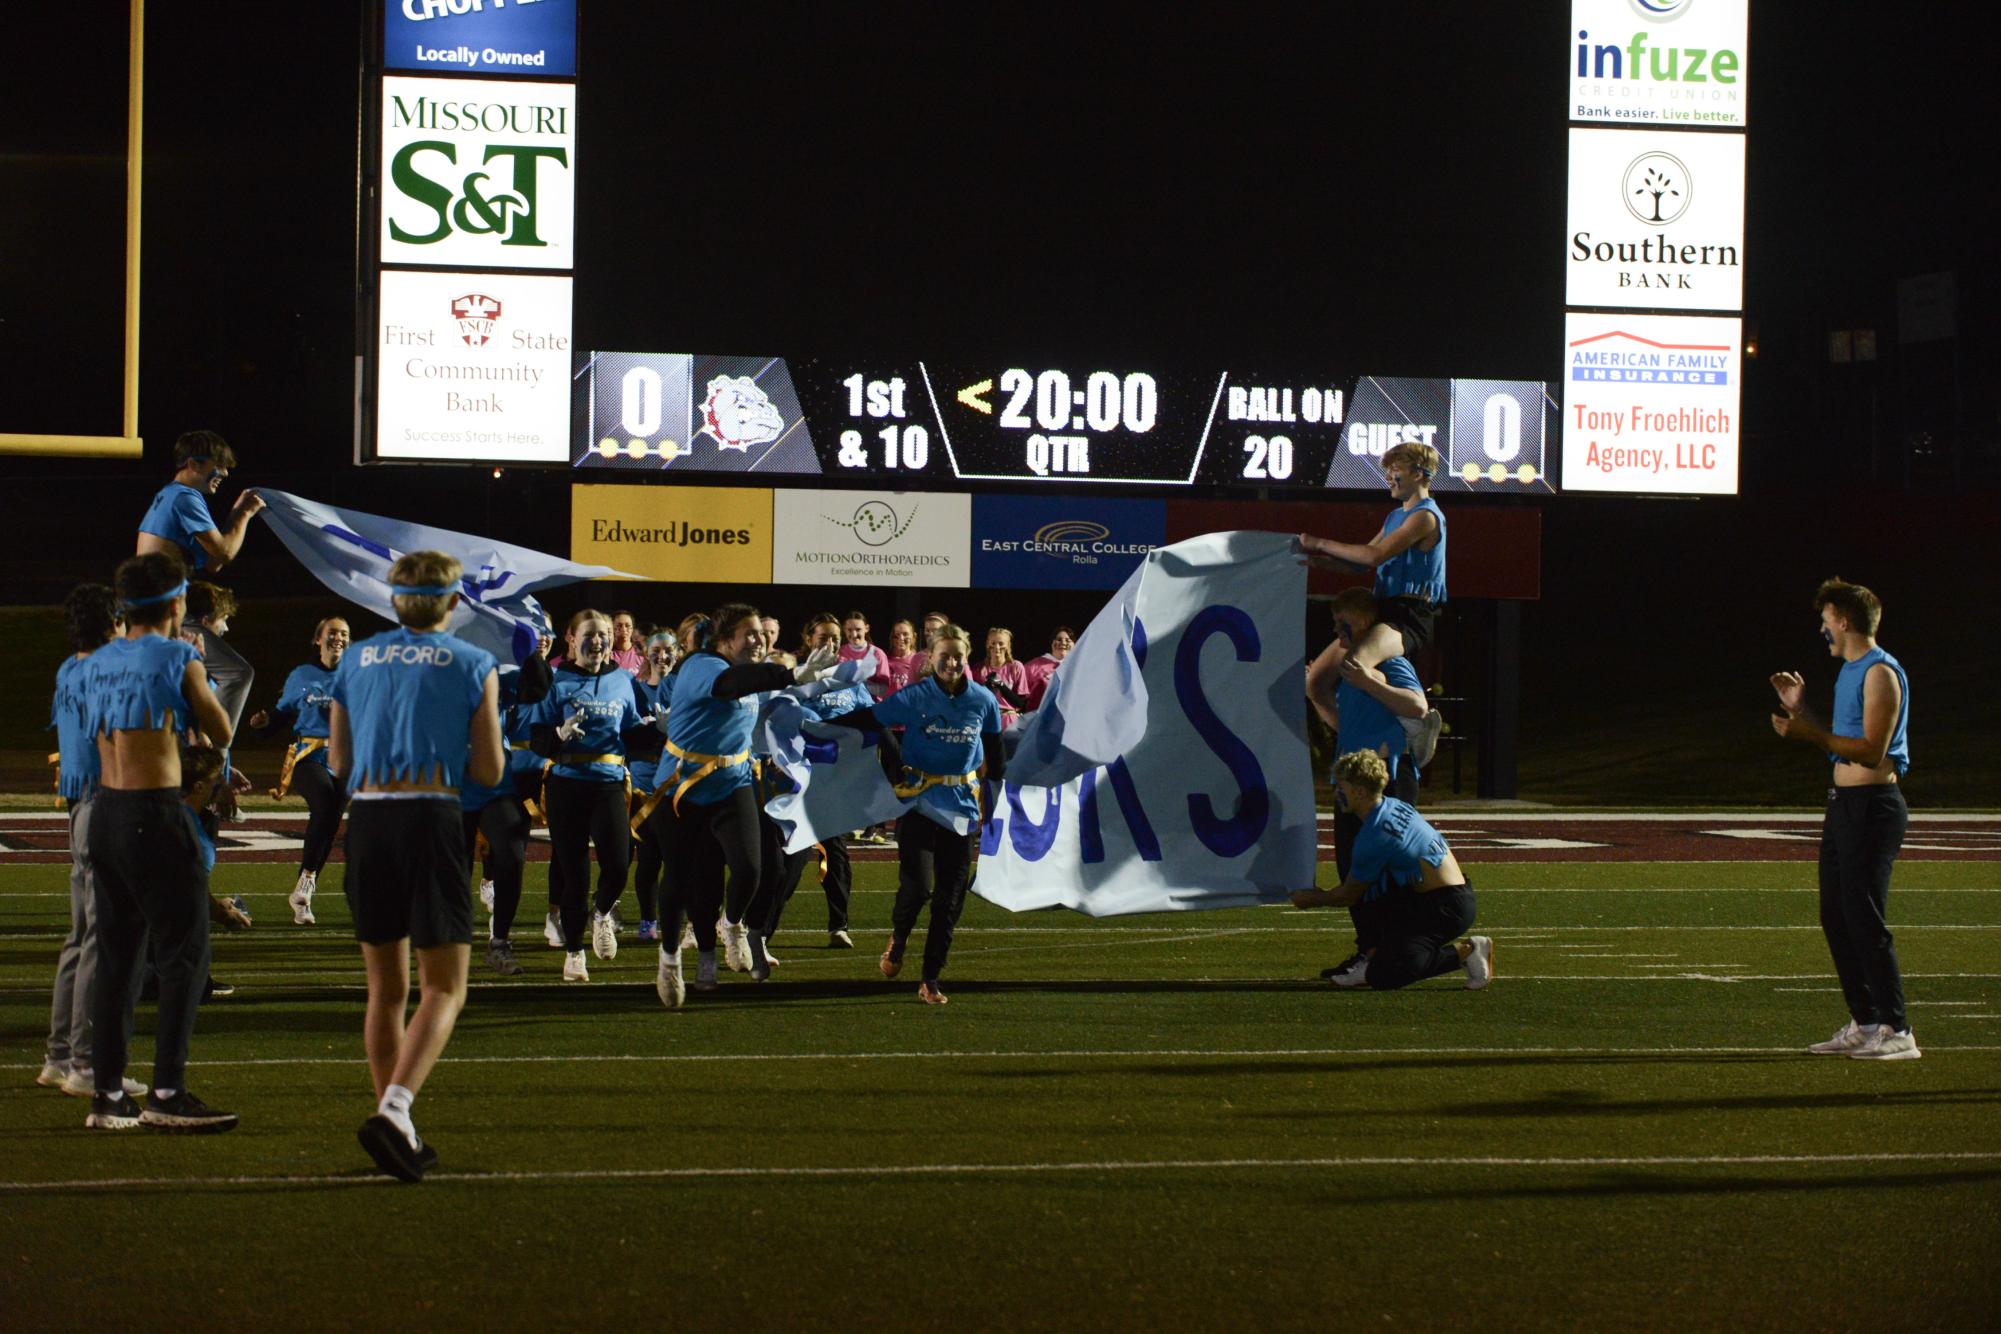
(951, 753)
(707, 818)
(588, 724)
(305, 699)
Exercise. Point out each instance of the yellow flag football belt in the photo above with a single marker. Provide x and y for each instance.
(916, 782)
(293, 754)
(709, 764)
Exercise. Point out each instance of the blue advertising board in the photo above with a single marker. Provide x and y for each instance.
(1062, 542)
(481, 36)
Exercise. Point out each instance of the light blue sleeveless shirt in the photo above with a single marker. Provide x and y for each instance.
(409, 700)
(178, 513)
(135, 685)
(1412, 572)
(1848, 705)
(79, 766)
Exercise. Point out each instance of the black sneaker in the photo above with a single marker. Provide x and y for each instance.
(215, 987)
(112, 1112)
(390, 1148)
(184, 1114)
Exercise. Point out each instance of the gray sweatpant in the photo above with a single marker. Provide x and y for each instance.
(76, 966)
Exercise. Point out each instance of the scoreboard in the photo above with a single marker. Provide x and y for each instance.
(928, 424)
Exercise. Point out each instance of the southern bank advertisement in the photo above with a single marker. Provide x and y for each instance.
(1051, 542)
(481, 36)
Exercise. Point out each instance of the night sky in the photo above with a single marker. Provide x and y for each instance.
(1381, 190)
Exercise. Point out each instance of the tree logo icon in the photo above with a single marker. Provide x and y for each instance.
(1657, 188)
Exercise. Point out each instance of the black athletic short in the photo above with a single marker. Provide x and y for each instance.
(1413, 618)
(406, 872)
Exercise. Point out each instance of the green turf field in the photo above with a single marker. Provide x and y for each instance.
(1137, 1123)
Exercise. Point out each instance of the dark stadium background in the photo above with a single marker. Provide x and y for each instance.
(1379, 188)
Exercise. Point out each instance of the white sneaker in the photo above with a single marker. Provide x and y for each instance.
(552, 930)
(705, 972)
(1846, 1039)
(673, 991)
(53, 1074)
(604, 936)
(736, 947)
(687, 935)
(1479, 964)
(1351, 975)
(81, 1082)
(301, 899)
(840, 940)
(1886, 1044)
(1423, 742)
(486, 896)
(573, 967)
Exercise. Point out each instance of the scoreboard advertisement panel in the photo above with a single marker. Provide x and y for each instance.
(939, 424)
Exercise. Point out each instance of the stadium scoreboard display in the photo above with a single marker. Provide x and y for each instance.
(940, 424)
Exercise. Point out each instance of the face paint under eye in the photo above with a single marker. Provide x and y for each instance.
(1827, 635)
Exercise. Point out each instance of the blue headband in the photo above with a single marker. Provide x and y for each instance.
(421, 590)
(157, 598)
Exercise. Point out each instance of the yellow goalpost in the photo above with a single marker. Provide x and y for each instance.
(128, 444)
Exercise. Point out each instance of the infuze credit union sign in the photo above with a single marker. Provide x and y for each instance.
(478, 172)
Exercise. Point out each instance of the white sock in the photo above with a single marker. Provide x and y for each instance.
(395, 1105)
(166, 1093)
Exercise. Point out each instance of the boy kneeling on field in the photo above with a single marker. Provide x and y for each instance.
(1403, 865)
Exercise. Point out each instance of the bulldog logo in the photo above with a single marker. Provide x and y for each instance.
(737, 414)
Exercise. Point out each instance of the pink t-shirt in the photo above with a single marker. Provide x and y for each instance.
(902, 671)
(1013, 674)
(1039, 671)
(878, 678)
(632, 659)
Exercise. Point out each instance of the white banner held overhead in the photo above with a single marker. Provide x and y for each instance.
(1209, 803)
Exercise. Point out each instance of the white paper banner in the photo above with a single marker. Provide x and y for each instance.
(1210, 805)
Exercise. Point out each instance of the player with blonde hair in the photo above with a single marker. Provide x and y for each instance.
(1408, 557)
(1402, 864)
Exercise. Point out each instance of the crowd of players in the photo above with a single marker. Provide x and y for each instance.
(635, 747)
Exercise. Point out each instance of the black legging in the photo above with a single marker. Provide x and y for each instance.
(646, 876)
(932, 863)
(697, 846)
(782, 869)
(324, 800)
(504, 821)
(583, 811)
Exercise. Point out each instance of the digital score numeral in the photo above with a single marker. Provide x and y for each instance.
(1270, 458)
(639, 416)
(1106, 403)
(1501, 428)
